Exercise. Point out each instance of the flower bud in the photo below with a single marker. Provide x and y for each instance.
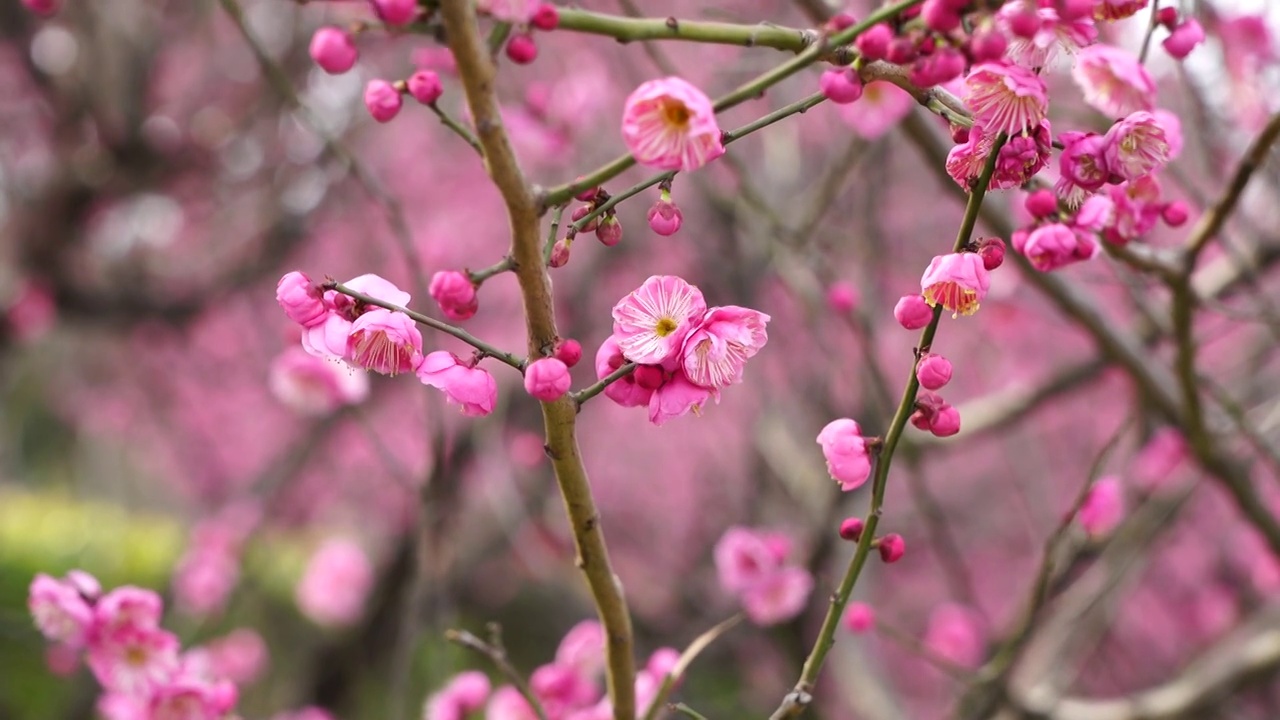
(859, 618)
(933, 372)
(902, 51)
(946, 422)
(1025, 24)
(521, 49)
(610, 231)
(583, 211)
(546, 17)
(1175, 213)
(939, 16)
(851, 529)
(665, 217)
(425, 86)
(649, 377)
(382, 100)
(333, 50)
(301, 299)
(396, 12)
(912, 312)
(547, 379)
(873, 44)
(892, 548)
(568, 351)
(991, 250)
(1184, 39)
(455, 294)
(1041, 203)
(842, 297)
(959, 134)
(987, 45)
(1167, 16)
(841, 86)
(559, 254)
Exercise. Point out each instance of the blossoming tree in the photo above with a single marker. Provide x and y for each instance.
(982, 278)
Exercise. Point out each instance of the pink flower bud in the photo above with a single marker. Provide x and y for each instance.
(841, 86)
(649, 377)
(873, 44)
(333, 50)
(521, 49)
(939, 16)
(583, 211)
(987, 45)
(382, 99)
(546, 17)
(664, 217)
(559, 254)
(1175, 213)
(610, 231)
(892, 548)
(1167, 16)
(568, 351)
(1041, 203)
(859, 618)
(913, 312)
(455, 294)
(43, 8)
(851, 529)
(927, 406)
(588, 195)
(1184, 39)
(425, 87)
(933, 372)
(1070, 11)
(1024, 24)
(848, 459)
(902, 51)
(991, 250)
(301, 299)
(959, 134)
(547, 379)
(842, 297)
(396, 12)
(946, 422)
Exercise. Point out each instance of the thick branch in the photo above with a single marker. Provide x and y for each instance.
(477, 72)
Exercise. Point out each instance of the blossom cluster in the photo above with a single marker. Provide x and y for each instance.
(567, 688)
(684, 352)
(752, 566)
(140, 665)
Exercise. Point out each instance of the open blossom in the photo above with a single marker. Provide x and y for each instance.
(1136, 146)
(1083, 162)
(955, 633)
(313, 385)
(1136, 208)
(1103, 506)
(957, 282)
(726, 337)
(677, 397)
(384, 341)
(335, 583)
(1113, 81)
(1022, 156)
(744, 556)
(472, 389)
(1005, 98)
(669, 124)
(60, 611)
(651, 323)
(133, 659)
(128, 606)
(1055, 245)
(1053, 38)
(845, 449)
(466, 693)
(779, 597)
(882, 105)
(582, 648)
(965, 161)
(329, 336)
(751, 564)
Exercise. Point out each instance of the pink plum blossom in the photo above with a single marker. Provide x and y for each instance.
(547, 379)
(1022, 156)
(311, 385)
(743, 558)
(718, 349)
(507, 703)
(133, 659)
(1136, 146)
(1184, 38)
(678, 396)
(455, 293)
(841, 86)
(958, 282)
(1005, 98)
(385, 342)
(669, 124)
(881, 107)
(301, 299)
(848, 459)
(1103, 506)
(472, 389)
(128, 606)
(1083, 161)
(61, 613)
(240, 656)
(1055, 245)
(1159, 458)
(336, 582)
(955, 633)
(665, 217)
(778, 597)
(1136, 208)
(1053, 37)
(465, 693)
(626, 391)
(582, 648)
(651, 323)
(1113, 81)
(892, 547)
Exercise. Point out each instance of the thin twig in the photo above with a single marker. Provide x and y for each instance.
(591, 391)
(497, 654)
(700, 643)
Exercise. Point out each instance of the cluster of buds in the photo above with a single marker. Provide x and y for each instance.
(890, 546)
(605, 225)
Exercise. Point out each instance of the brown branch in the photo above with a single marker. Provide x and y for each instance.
(478, 76)
(497, 654)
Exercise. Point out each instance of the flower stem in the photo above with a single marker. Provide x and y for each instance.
(591, 391)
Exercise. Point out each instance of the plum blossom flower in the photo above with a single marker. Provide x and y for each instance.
(133, 659)
(957, 282)
(1055, 245)
(128, 606)
(1136, 208)
(751, 564)
(965, 161)
(726, 337)
(455, 293)
(241, 656)
(1136, 146)
(1113, 81)
(333, 50)
(1184, 38)
(301, 299)
(329, 336)
(1159, 458)
(1005, 98)
(582, 648)
(651, 323)
(385, 342)
(1053, 39)
(669, 124)
(676, 397)
(547, 379)
(882, 105)
(472, 389)
(315, 386)
(1083, 161)
(1021, 157)
(743, 556)
(848, 459)
(1103, 506)
(336, 582)
(465, 693)
(61, 613)
(778, 597)
(933, 371)
(626, 391)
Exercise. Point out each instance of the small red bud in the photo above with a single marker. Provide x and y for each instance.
(1175, 213)
(840, 21)
(546, 17)
(583, 211)
(1167, 16)
(991, 250)
(559, 255)
(851, 529)
(649, 377)
(892, 548)
(521, 49)
(609, 231)
(1041, 203)
(568, 351)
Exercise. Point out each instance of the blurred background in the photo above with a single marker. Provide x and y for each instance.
(159, 428)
